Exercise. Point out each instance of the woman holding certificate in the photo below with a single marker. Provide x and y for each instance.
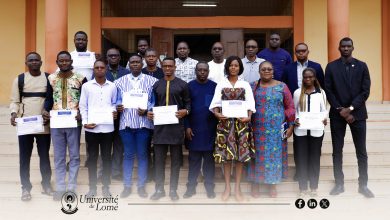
(233, 105)
(311, 114)
(274, 107)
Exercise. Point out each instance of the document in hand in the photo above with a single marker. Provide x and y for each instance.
(101, 116)
(311, 121)
(234, 109)
(63, 119)
(29, 125)
(164, 115)
(135, 100)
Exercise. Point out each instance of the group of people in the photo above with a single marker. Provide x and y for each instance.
(272, 91)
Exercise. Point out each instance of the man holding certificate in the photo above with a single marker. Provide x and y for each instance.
(172, 104)
(26, 109)
(134, 98)
(97, 108)
(62, 100)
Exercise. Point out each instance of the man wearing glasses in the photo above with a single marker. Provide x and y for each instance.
(251, 62)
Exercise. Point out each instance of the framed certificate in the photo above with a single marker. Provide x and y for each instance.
(164, 115)
(311, 121)
(29, 125)
(234, 109)
(63, 119)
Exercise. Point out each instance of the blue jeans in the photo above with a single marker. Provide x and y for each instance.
(135, 143)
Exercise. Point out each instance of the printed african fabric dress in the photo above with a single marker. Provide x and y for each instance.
(274, 105)
(234, 139)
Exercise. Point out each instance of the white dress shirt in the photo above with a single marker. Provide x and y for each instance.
(217, 71)
(317, 100)
(83, 63)
(95, 96)
(217, 101)
(300, 69)
(251, 69)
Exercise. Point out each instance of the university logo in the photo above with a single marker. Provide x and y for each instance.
(69, 203)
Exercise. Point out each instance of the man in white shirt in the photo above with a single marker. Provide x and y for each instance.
(217, 65)
(83, 59)
(251, 62)
(185, 66)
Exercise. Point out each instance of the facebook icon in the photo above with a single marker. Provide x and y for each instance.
(300, 203)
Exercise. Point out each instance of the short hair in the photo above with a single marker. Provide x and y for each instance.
(184, 42)
(81, 32)
(301, 43)
(33, 52)
(100, 60)
(251, 40)
(142, 39)
(202, 62)
(274, 33)
(150, 50)
(229, 60)
(264, 62)
(64, 52)
(346, 39)
(170, 58)
(134, 55)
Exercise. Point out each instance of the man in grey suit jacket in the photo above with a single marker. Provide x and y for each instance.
(347, 86)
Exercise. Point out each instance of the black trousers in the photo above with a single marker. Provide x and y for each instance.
(117, 151)
(358, 130)
(195, 163)
(26, 144)
(160, 151)
(96, 142)
(308, 153)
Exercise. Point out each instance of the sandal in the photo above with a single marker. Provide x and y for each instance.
(26, 196)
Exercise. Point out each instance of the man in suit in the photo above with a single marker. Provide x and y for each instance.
(347, 86)
(292, 74)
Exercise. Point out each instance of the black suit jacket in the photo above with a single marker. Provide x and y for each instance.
(291, 79)
(344, 92)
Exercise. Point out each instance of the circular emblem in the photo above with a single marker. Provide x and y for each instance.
(69, 203)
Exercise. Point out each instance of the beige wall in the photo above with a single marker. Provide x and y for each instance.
(12, 42)
(365, 30)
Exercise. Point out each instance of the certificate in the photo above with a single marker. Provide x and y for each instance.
(100, 116)
(29, 125)
(63, 118)
(164, 115)
(135, 99)
(234, 109)
(311, 121)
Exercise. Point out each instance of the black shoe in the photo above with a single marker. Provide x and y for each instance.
(26, 196)
(337, 189)
(47, 190)
(189, 193)
(91, 193)
(173, 195)
(106, 192)
(210, 194)
(142, 193)
(158, 195)
(126, 192)
(366, 192)
(57, 195)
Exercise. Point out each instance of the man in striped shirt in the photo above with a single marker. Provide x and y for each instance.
(134, 126)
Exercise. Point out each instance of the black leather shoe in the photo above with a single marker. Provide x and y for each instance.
(158, 195)
(142, 193)
(337, 189)
(126, 192)
(173, 195)
(47, 190)
(189, 193)
(211, 194)
(366, 192)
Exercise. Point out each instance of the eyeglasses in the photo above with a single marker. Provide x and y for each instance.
(266, 69)
(113, 55)
(99, 67)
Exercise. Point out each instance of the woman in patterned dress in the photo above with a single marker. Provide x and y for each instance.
(234, 141)
(274, 106)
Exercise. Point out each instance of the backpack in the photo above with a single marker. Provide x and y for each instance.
(28, 94)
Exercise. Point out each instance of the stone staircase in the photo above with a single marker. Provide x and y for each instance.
(378, 147)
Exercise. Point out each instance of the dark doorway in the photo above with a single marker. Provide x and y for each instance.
(200, 45)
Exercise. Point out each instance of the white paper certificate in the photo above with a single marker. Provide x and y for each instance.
(311, 121)
(164, 115)
(135, 99)
(29, 125)
(100, 116)
(234, 109)
(63, 119)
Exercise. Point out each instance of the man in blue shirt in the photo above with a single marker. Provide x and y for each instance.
(200, 131)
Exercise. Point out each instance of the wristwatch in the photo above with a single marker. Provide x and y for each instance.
(187, 112)
(351, 108)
